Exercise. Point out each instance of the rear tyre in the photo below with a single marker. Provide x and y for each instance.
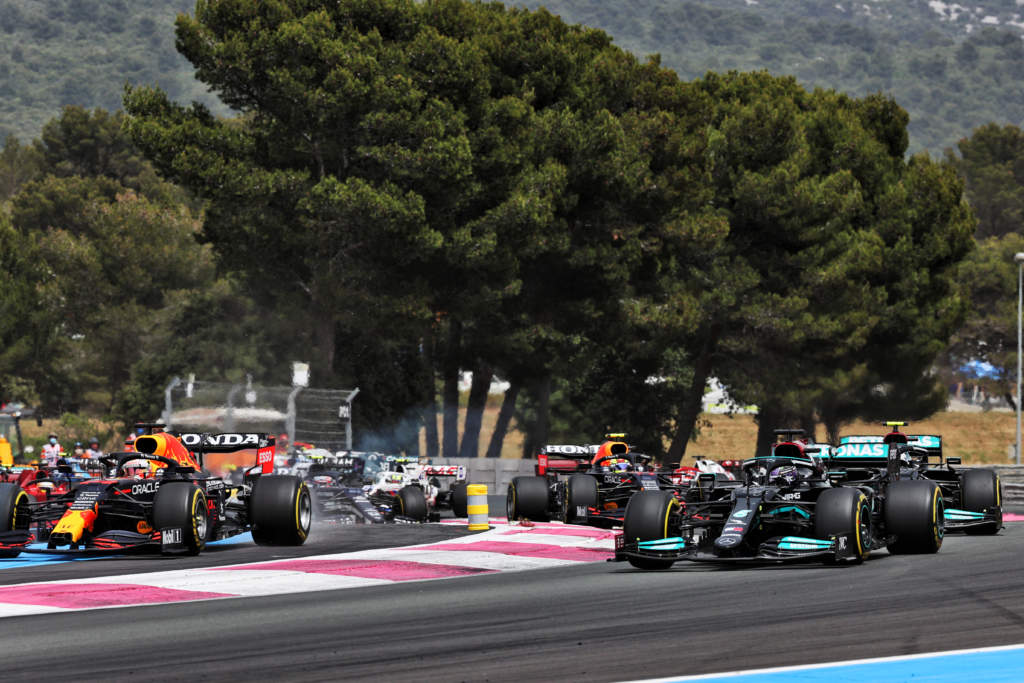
(182, 505)
(281, 510)
(580, 491)
(412, 503)
(845, 511)
(647, 519)
(914, 515)
(982, 490)
(460, 499)
(527, 498)
(14, 513)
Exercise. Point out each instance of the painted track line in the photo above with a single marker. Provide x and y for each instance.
(1003, 664)
(501, 549)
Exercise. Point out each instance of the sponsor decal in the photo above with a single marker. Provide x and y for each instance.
(581, 510)
(145, 487)
(740, 514)
(728, 540)
(790, 496)
(85, 500)
(227, 440)
(569, 450)
(649, 483)
(170, 536)
(265, 459)
(734, 528)
(861, 450)
(842, 542)
(214, 485)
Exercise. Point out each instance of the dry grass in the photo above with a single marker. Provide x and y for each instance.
(976, 437)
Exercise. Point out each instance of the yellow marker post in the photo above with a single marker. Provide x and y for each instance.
(476, 499)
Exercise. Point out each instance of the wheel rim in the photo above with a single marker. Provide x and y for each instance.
(864, 530)
(199, 517)
(305, 509)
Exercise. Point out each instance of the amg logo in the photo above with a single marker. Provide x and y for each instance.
(147, 487)
(790, 496)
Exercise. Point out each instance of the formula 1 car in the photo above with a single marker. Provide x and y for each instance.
(601, 480)
(785, 509)
(972, 497)
(171, 506)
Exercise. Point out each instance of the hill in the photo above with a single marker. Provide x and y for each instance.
(953, 68)
(58, 52)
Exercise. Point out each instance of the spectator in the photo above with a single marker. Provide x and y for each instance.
(51, 450)
(94, 451)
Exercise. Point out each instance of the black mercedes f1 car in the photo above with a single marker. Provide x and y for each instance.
(785, 508)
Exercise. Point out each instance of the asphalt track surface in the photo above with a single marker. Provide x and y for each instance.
(595, 622)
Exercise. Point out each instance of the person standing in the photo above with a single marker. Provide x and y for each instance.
(51, 450)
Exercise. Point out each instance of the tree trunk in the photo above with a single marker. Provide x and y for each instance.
(323, 344)
(810, 427)
(450, 440)
(537, 433)
(768, 418)
(433, 444)
(694, 398)
(508, 406)
(470, 447)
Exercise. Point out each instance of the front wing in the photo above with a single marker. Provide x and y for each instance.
(777, 549)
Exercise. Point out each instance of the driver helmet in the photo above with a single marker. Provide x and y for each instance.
(785, 474)
(615, 464)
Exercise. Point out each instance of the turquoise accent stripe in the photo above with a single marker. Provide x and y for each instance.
(673, 543)
(986, 665)
(799, 543)
(790, 508)
(954, 514)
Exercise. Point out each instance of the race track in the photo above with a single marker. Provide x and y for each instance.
(586, 621)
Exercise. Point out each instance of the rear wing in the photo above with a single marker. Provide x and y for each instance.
(566, 458)
(871, 450)
(230, 442)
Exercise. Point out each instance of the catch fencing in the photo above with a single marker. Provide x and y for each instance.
(319, 416)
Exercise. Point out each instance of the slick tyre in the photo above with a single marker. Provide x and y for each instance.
(982, 490)
(914, 515)
(647, 519)
(14, 513)
(182, 505)
(412, 503)
(460, 499)
(580, 491)
(527, 498)
(845, 511)
(281, 510)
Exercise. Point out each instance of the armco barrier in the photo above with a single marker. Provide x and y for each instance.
(476, 497)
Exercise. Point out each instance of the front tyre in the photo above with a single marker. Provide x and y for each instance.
(281, 510)
(527, 498)
(182, 505)
(914, 514)
(982, 491)
(647, 519)
(845, 511)
(14, 513)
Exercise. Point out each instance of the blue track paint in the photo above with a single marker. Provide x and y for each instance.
(988, 665)
(37, 559)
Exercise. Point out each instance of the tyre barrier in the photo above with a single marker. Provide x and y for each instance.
(1013, 493)
(476, 499)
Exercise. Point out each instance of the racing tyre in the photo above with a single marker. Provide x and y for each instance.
(914, 515)
(412, 503)
(982, 490)
(182, 505)
(580, 491)
(460, 499)
(527, 497)
(14, 513)
(845, 511)
(281, 510)
(647, 515)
